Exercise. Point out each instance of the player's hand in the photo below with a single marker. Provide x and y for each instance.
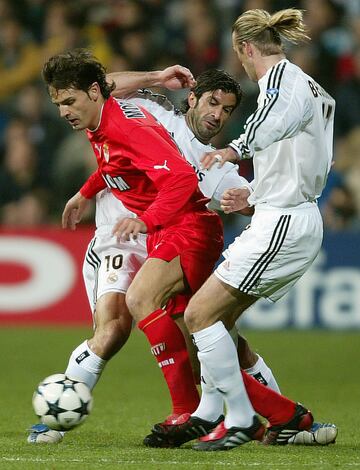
(218, 156)
(74, 210)
(128, 229)
(176, 77)
(236, 200)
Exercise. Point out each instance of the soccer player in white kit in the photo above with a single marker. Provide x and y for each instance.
(110, 266)
(290, 138)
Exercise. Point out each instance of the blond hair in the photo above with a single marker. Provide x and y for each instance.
(267, 31)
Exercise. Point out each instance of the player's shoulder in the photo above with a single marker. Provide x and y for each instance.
(298, 77)
(128, 115)
(311, 87)
(160, 107)
(292, 75)
(157, 98)
(296, 84)
(154, 101)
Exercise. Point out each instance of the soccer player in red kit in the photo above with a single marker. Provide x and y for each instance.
(142, 166)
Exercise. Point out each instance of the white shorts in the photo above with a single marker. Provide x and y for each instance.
(274, 251)
(109, 265)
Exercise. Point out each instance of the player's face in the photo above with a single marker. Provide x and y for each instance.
(80, 109)
(208, 114)
(245, 60)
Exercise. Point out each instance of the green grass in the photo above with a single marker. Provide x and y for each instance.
(320, 369)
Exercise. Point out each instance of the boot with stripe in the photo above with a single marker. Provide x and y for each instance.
(282, 433)
(222, 438)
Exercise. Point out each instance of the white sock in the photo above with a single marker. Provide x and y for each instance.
(85, 365)
(211, 404)
(262, 372)
(218, 353)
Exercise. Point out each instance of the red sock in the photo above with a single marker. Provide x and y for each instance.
(169, 348)
(276, 408)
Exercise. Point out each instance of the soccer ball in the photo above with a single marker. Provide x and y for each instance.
(61, 402)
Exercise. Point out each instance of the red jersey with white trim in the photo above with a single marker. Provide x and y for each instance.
(142, 166)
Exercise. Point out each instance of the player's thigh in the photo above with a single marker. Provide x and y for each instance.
(197, 240)
(110, 266)
(216, 301)
(274, 252)
(154, 284)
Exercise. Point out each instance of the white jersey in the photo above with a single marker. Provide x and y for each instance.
(212, 182)
(290, 136)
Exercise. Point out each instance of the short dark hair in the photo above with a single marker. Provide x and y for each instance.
(211, 80)
(77, 69)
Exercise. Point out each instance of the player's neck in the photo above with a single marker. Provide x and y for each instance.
(97, 119)
(264, 63)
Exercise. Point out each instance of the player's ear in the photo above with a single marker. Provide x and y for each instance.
(94, 91)
(248, 48)
(192, 100)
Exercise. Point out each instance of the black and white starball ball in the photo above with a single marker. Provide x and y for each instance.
(61, 402)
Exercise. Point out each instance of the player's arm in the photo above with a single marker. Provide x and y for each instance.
(172, 78)
(93, 185)
(284, 113)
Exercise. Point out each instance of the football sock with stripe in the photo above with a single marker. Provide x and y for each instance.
(169, 348)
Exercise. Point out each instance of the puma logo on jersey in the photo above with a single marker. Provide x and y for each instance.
(98, 148)
(103, 151)
(162, 167)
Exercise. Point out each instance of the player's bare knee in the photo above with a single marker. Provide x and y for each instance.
(136, 304)
(192, 319)
(141, 303)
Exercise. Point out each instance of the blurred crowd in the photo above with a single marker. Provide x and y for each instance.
(43, 162)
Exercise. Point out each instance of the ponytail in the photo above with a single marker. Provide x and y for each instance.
(268, 31)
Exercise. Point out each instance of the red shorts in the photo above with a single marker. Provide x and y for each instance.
(197, 239)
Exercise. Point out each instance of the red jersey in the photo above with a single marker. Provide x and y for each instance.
(141, 164)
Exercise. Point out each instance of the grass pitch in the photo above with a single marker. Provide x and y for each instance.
(320, 369)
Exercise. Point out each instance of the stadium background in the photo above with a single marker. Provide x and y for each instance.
(315, 351)
(43, 162)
